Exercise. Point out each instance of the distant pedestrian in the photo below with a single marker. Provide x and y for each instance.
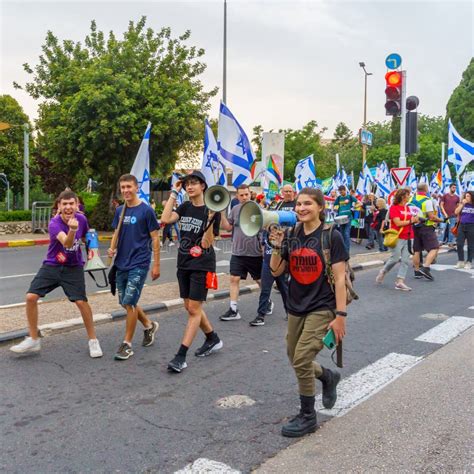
(449, 203)
(401, 220)
(343, 205)
(465, 211)
(379, 219)
(424, 231)
(369, 209)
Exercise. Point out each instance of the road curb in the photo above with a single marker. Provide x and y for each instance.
(53, 328)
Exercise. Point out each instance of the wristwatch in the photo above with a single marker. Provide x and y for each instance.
(341, 313)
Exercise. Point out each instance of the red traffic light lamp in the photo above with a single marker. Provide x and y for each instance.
(393, 93)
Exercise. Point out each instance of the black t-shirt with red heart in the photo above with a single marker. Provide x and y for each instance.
(192, 222)
(308, 287)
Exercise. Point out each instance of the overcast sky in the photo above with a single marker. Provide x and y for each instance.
(288, 61)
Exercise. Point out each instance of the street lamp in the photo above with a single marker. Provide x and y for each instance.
(224, 75)
(364, 145)
(4, 179)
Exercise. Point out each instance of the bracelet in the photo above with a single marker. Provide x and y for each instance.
(174, 194)
(341, 313)
(276, 251)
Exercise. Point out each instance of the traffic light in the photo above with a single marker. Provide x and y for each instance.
(411, 128)
(393, 93)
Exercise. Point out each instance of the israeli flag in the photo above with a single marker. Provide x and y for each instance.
(367, 174)
(412, 181)
(361, 185)
(468, 181)
(211, 165)
(460, 150)
(141, 167)
(305, 174)
(234, 147)
(383, 180)
(447, 179)
(423, 179)
(434, 186)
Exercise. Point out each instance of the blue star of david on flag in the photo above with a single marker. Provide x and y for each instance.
(141, 167)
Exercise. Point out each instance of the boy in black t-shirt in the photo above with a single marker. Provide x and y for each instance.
(313, 307)
(196, 263)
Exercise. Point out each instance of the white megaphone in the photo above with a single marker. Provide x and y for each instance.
(94, 262)
(217, 198)
(252, 218)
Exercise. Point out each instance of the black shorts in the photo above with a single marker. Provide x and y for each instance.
(70, 279)
(241, 265)
(192, 284)
(425, 239)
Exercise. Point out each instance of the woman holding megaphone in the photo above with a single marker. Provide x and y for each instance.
(313, 307)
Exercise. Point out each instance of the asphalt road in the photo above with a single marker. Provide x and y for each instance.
(18, 265)
(61, 411)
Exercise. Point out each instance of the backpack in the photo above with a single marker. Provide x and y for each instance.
(326, 239)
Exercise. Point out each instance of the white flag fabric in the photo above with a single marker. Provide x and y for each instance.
(367, 174)
(234, 147)
(447, 179)
(412, 180)
(141, 167)
(460, 150)
(305, 174)
(211, 165)
(361, 185)
(383, 180)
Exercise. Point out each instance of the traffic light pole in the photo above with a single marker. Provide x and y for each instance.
(402, 162)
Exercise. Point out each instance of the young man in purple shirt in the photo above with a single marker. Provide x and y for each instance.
(63, 267)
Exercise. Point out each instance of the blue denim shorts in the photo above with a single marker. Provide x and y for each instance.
(130, 284)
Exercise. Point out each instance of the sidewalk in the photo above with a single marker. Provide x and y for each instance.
(105, 307)
(27, 240)
(419, 423)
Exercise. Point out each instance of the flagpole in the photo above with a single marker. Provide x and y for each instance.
(442, 154)
(337, 162)
(224, 78)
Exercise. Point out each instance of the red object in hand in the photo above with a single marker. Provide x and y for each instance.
(211, 281)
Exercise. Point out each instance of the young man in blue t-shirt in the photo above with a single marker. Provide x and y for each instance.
(132, 259)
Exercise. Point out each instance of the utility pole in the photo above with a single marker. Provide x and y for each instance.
(26, 167)
(402, 162)
(364, 145)
(224, 78)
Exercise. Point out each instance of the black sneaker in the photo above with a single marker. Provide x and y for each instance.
(258, 321)
(230, 315)
(271, 305)
(418, 274)
(149, 334)
(425, 271)
(209, 346)
(300, 425)
(177, 364)
(124, 352)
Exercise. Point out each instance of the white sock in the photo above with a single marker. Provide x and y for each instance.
(233, 306)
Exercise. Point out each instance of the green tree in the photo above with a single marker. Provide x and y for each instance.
(342, 134)
(460, 108)
(11, 144)
(98, 98)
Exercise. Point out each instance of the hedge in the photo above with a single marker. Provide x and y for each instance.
(14, 216)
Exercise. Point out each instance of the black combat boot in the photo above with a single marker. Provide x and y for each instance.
(304, 422)
(329, 379)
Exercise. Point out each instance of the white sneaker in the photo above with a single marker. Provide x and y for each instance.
(467, 265)
(460, 265)
(27, 345)
(171, 244)
(401, 286)
(94, 348)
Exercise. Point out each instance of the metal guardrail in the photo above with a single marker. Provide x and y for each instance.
(40, 216)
